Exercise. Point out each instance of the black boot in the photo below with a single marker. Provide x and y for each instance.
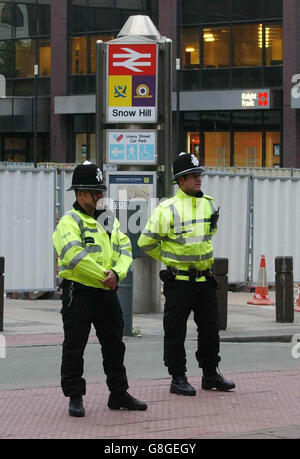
(125, 401)
(215, 380)
(181, 386)
(76, 407)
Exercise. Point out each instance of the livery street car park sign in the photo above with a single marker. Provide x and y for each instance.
(132, 83)
(131, 147)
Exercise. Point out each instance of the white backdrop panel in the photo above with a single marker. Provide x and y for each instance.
(27, 221)
(231, 241)
(276, 221)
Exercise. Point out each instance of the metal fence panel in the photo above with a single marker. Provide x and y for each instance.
(232, 194)
(276, 221)
(27, 221)
(67, 198)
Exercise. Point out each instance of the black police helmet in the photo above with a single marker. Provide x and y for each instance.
(87, 176)
(186, 163)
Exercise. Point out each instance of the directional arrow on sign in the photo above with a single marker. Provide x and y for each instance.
(131, 57)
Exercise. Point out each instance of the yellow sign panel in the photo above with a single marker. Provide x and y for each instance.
(120, 91)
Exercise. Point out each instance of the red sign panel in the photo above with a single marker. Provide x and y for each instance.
(132, 59)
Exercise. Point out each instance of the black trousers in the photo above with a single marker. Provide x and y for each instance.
(182, 297)
(102, 309)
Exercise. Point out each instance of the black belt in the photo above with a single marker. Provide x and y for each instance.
(191, 272)
(195, 272)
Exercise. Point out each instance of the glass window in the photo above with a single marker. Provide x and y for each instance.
(24, 87)
(24, 58)
(6, 58)
(216, 11)
(44, 14)
(44, 57)
(193, 141)
(79, 16)
(80, 148)
(248, 149)
(190, 13)
(247, 45)
(190, 80)
(102, 18)
(217, 149)
(273, 77)
(216, 47)
(92, 155)
(246, 78)
(93, 40)
(190, 48)
(215, 79)
(215, 121)
(247, 119)
(273, 44)
(272, 8)
(6, 20)
(272, 149)
(130, 4)
(43, 86)
(246, 9)
(78, 85)
(25, 19)
(79, 55)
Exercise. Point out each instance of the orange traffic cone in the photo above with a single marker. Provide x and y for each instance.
(297, 300)
(261, 295)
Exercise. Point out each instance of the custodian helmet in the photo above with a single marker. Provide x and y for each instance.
(186, 163)
(87, 176)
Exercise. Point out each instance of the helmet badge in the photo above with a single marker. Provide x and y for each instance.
(99, 175)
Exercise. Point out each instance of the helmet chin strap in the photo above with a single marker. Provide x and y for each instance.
(93, 198)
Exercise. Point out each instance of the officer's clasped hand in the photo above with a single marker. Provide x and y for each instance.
(111, 280)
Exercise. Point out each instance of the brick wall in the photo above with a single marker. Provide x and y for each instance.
(59, 77)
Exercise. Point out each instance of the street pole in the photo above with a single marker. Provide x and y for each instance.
(35, 116)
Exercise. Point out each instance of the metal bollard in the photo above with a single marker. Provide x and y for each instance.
(220, 270)
(125, 294)
(284, 289)
(1, 292)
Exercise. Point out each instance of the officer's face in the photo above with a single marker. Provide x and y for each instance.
(89, 199)
(190, 183)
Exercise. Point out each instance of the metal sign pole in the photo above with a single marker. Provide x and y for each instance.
(134, 91)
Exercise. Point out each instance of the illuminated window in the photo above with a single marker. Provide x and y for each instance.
(44, 57)
(217, 149)
(190, 49)
(248, 149)
(79, 55)
(93, 40)
(272, 149)
(216, 47)
(24, 58)
(247, 41)
(273, 44)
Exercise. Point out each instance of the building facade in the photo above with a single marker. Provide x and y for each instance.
(236, 71)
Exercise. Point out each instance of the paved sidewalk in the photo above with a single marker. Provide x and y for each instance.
(263, 405)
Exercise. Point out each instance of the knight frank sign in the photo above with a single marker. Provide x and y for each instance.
(132, 83)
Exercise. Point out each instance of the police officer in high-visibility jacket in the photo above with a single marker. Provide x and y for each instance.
(93, 256)
(179, 234)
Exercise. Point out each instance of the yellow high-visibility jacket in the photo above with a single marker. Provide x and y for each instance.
(85, 249)
(179, 235)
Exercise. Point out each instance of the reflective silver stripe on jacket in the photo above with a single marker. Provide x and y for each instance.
(187, 258)
(146, 248)
(122, 250)
(68, 247)
(178, 224)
